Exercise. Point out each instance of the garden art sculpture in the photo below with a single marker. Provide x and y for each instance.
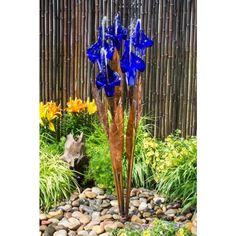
(119, 78)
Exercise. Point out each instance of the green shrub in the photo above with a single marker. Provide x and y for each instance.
(57, 181)
(159, 228)
(175, 163)
(77, 123)
(100, 168)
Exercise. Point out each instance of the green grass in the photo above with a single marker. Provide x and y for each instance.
(57, 181)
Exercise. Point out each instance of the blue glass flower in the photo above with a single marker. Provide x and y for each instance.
(94, 51)
(140, 40)
(130, 63)
(108, 80)
(116, 32)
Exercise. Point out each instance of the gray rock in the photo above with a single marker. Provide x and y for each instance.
(135, 203)
(171, 212)
(60, 233)
(84, 202)
(143, 206)
(158, 200)
(75, 203)
(95, 221)
(86, 209)
(49, 231)
(67, 207)
(97, 190)
(72, 233)
(142, 199)
(73, 223)
(84, 219)
(105, 204)
(114, 203)
(92, 233)
(82, 233)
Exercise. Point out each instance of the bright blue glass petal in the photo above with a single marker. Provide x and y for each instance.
(110, 91)
(131, 77)
(137, 62)
(101, 80)
(93, 52)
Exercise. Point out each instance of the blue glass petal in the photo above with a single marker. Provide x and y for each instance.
(137, 62)
(131, 77)
(124, 61)
(93, 52)
(116, 37)
(110, 91)
(101, 80)
(114, 77)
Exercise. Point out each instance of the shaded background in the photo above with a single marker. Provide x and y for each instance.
(68, 27)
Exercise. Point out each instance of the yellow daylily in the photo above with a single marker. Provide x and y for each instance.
(180, 232)
(48, 112)
(91, 106)
(76, 105)
(123, 234)
(42, 112)
(146, 233)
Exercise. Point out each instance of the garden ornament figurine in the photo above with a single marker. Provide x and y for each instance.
(115, 72)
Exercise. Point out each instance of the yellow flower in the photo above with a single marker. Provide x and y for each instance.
(91, 106)
(53, 110)
(76, 105)
(123, 234)
(146, 233)
(180, 232)
(42, 112)
(48, 112)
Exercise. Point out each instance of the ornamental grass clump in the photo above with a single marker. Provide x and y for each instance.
(57, 181)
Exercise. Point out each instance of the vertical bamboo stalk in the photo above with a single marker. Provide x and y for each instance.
(42, 51)
(76, 51)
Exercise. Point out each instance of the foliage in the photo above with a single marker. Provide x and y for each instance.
(97, 149)
(142, 173)
(159, 228)
(57, 181)
(175, 162)
(100, 168)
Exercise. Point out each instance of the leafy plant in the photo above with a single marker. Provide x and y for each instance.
(158, 228)
(57, 181)
(175, 163)
(100, 169)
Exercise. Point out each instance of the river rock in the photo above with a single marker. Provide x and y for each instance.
(74, 196)
(95, 220)
(135, 203)
(101, 196)
(98, 229)
(75, 203)
(105, 217)
(82, 233)
(82, 196)
(49, 231)
(180, 219)
(73, 223)
(171, 212)
(42, 228)
(86, 209)
(136, 219)
(142, 206)
(84, 219)
(97, 190)
(90, 195)
(105, 203)
(114, 203)
(43, 217)
(55, 214)
(60, 233)
(67, 207)
(72, 233)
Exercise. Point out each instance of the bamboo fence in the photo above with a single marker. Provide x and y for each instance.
(68, 27)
